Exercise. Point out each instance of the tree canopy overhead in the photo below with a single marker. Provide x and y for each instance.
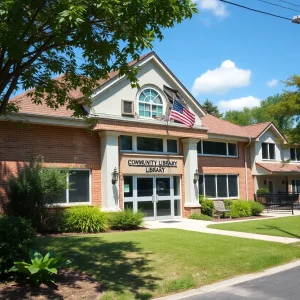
(84, 39)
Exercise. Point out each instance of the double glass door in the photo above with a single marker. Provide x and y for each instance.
(157, 197)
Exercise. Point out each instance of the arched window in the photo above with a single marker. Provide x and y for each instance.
(150, 103)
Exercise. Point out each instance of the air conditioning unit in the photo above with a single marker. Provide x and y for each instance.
(127, 108)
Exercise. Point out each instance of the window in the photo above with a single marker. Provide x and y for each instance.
(295, 154)
(268, 151)
(217, 148)
(172, 146)
(150, 144)
(296, 186)
(150, 103)
(219, 186)
(128, 186)
(126, 142)
(79, 187)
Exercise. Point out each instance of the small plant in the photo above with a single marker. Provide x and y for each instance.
(16, 238)
(240, 209)
(126, 220)
(199, 216)
(207, 206)
(256, 208)
(262, 191)
(85, 219)
(41, 268)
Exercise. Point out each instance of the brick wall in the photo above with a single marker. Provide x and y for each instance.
(64, 147)
(228, 165)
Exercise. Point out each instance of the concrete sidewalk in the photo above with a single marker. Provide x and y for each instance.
(201, 226)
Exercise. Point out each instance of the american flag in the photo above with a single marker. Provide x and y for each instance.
(181, 114)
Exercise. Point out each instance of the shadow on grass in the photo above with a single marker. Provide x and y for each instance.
(272, 227)
(118, 266)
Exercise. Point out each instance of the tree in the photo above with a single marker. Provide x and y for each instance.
(289, 107)
(262, 113)
(82, 39)
(211, 109)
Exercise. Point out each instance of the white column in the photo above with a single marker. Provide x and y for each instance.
(109, 161)
(190, 167)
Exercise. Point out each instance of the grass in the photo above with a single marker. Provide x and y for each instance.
(286, 227)
(146, 264)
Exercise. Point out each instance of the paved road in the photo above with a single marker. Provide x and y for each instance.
(281, 286)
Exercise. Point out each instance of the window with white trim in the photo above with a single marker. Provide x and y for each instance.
(213, 148)
(150, 103)
(78, 187)
(148, 144)
(295, 154)
(219, 186)
(268, 151)
(296, 186)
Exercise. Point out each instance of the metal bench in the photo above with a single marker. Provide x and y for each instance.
(220, 208)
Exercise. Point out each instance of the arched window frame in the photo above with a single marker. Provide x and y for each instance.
(150, 104)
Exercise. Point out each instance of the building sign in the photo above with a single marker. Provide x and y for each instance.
(152, 165)
(137, 164)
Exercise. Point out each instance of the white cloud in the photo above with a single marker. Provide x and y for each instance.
(214, 6)
(222, 79)
(272, 83)
(238, 104)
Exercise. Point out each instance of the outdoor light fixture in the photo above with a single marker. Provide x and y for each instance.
(114, 176)
(296, 19)
(265, 182)
(196, 177)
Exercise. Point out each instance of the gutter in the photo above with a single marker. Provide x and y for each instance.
(246, 167)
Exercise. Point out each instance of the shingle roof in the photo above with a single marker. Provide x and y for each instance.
(280, 167)
(256, 129)
(27, 106)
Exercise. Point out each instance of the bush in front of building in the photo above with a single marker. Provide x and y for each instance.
(125, 220)
(199, 216)
(84, 219)
(31, 192)
(241, 209)
(16, 238)
(256, 208)
(262, 191)
(207, 206)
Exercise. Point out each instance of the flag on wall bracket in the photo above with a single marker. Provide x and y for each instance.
(177, 110)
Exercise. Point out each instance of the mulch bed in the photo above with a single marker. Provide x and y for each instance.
(68, 285)
(237, 219)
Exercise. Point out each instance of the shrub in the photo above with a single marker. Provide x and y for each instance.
(41, 267)
(85, 219)
(198, 216)
(16, 238)
(228, 203)
(125, 220)
(240, 209)
(262, 191)
(207, 206)
(30, 193)
(256, 208)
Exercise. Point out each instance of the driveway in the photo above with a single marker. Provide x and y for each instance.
(281, 286)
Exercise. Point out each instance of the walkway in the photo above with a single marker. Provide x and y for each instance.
(201, 226)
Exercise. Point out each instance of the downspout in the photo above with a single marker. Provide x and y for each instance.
(245, 161)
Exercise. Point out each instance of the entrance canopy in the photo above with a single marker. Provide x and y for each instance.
(279, 168)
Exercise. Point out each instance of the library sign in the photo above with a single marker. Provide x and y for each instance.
(147, 166)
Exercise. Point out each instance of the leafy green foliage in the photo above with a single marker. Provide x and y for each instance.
(228, 203)
(32, 191)
(262, 191)
(82, 39)
(16, 238)
(256, 208)
(126, 220)
(85, 219)
(199, 216)
(41, 268)
(262, 113)
(207, 206)
(240, 209)
(211, 109)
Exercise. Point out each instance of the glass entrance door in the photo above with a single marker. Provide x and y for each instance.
(156, 197)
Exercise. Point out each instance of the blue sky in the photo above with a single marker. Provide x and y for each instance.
(252, 49)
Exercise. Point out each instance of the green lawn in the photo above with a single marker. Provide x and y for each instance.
(149, 263)
(286, 227)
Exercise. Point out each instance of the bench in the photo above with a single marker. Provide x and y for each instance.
(220, 208)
